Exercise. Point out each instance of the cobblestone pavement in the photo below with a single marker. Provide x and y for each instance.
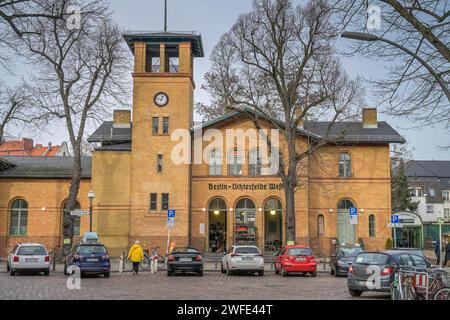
(213, 285)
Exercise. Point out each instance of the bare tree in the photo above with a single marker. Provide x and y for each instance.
(13, 108)
(277, 65)
(78, 75)
(422, 27)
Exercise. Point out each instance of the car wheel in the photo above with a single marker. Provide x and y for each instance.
(283, 273)
(65, 270)
(313, 274)
(355, 293)
(276, 270)
(222, 269)
(107, 274)
(229, 272)
(7, 267)
(332, 270)
(261, 273)
(200, 273)
(169, 273)
(12, 272)
(47, 272)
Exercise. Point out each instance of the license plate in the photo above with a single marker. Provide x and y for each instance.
(300, 259)
(362, 283)
(91, 260)
(185, 259)
(31, 260)
(247, 259)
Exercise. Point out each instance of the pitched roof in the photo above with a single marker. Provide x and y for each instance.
(107, 133)
(25, 147)
(428, 168)
(43, 167)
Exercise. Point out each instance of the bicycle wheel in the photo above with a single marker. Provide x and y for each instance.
(145, 264)
(395, 295)
(161, 263)
(409, 293)
(443, 294)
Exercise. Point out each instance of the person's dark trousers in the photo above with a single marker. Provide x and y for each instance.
(136, 267)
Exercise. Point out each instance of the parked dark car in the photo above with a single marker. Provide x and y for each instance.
(366, 263)
(90, 258)
(185, 259)
(419, 252)
(341, 258)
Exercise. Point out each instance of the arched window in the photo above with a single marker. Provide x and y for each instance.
(372, 226)
(345, 165)
(215, 163)
(217, 204)
(345, 204)
(275, 159)
(320, 225)
(255, 164)
(76, 220)
(234, 162)
(345, 230)
(19, 217)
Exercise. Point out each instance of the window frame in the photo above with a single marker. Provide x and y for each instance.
(165, 125)
(164, 201)
(232, 166)
(153, 202)
(214, 167)
(155, 129)
(159, 163)
(20, 219)
(344, 163)
(320, 225)
(372, 226)
(254, 169)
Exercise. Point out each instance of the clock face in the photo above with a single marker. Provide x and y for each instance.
(161, 99)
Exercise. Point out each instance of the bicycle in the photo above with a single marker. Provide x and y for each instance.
(404, 286)
(146, 263)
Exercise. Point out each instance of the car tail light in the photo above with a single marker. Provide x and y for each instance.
(350, 269)
(235, 255)
(199, 258)
(387, 271)
(105, 257)
(312, 259)
(47, 259)
(171, 258)
(16, 259)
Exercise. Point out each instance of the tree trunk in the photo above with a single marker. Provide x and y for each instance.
(72, 200)
(289, 192)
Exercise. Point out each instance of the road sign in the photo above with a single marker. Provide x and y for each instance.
(79, 212)
(394, 218)
(170, 224)
(353, 211)
(440, 220)
(171, 214)
(354, 219)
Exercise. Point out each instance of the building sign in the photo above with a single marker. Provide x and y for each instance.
(404, 219)
(246, 186)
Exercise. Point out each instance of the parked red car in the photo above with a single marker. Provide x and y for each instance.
(296, 259)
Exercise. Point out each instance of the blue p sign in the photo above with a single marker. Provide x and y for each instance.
(394, 218)
(170, 213)
(353, 211)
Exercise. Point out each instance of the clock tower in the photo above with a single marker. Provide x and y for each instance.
(163, 90)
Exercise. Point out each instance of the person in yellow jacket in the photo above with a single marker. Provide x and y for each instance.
(136, 255)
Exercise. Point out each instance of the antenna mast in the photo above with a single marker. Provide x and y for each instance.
(165, 15)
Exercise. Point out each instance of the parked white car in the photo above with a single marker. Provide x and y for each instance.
(243, 258)
(28, 257)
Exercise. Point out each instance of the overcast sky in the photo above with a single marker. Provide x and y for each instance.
(212, 18)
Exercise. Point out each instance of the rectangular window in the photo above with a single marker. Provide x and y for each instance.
(153, 201)
(446, 213)
(446, 196)
(430, 208)
(165, 125)
(77, 226)
(165, 201)
(155, 125)
(160, 163)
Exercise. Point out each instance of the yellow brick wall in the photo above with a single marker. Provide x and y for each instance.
(44, 226)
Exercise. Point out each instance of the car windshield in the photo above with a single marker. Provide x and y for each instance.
(299, 252)
(252, 250)
(372, 258)
(91, 249)
(184, 250)
(32, 251)
(349, 251)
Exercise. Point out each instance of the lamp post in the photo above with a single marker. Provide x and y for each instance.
(371, 37)
(91, 196)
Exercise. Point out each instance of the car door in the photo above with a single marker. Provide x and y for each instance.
(279, 259)
(419, 261)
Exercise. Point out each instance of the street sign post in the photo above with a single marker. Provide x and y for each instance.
(79, 212)
(170, 226)
(353, 212)
(394, 222)
(440, 221)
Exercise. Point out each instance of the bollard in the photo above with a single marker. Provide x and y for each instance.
(120, 264)
(123, 260)
(324, 262)
(54, 259)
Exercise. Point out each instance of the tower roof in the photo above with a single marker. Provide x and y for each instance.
(157, 37)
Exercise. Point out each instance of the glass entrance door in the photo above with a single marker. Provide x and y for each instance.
(244, 223)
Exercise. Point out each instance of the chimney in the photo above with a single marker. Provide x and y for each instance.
(122, 119)
(369, 118)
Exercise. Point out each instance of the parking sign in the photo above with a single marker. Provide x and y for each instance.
(394, 218)
(353, 211)
(171, 214)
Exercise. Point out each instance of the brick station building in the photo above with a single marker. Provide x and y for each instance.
(217, 204)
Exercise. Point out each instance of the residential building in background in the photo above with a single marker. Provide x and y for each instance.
(26, 147)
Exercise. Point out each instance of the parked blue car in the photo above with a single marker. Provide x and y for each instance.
(90, 258)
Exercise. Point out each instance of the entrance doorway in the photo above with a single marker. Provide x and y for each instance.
(346, 232)
(217, 225)
(273, 225)
(244, 224)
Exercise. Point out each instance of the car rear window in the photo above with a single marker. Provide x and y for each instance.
(252, 250)
(91, 249)
(299, 252)
(349, 251)
(32, 251)
(184, 250)
(372, 258)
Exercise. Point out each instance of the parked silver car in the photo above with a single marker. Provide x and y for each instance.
(28, 257)
(243, 258)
